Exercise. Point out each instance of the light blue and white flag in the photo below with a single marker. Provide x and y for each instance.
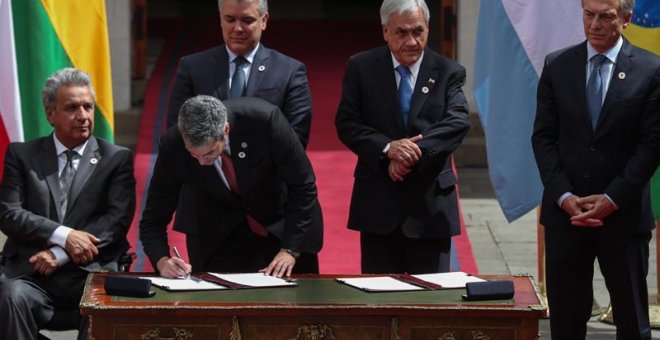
(513, 38)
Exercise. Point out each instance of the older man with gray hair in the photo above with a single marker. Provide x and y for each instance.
(66, 203)
(403, 113)
(253, 194)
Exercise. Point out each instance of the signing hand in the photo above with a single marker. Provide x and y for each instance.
(595, 209)
(81, 246)
(44, 262)
(282, 265)
(405, 150)
(173, 267)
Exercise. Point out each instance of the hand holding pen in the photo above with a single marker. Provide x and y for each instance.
(174, 267)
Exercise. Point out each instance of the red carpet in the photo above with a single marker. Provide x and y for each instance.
(324, 49)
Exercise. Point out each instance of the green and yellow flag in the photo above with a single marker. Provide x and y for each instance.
(40, 37)
(644, 31)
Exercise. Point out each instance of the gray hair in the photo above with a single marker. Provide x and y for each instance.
(64, 77)
(263, 5)
(625, 6)
(202, 119)
(390, 7)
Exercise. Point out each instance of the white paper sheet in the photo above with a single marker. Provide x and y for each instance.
(255, 280)
(449, 280)
(378, 284)
(182, 284)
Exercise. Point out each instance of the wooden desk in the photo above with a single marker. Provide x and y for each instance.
(318, 308)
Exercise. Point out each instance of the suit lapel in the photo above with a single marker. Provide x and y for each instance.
(387, 82)
(428, 73)
(239, 152)
(90, 159)
(622, 66)
(258, 70)
(222, 70)
(50, 171)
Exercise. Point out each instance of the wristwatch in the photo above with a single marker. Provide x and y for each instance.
(295, 254)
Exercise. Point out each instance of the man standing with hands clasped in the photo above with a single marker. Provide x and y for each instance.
(403, 113)
(597, 143)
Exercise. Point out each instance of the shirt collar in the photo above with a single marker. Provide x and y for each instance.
(59, 147)
(249, 56)
(610, 54)
(414, 68)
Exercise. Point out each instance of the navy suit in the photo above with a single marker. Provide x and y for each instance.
(102, 203)
(274, 77)
(616, 158)
(277, 188)
(424, 207)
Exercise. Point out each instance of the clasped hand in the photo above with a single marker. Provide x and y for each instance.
(81, 246)
(44, 262)
(403, 154)
(589, 211)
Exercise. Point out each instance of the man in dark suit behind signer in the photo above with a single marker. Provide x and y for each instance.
(597, 143)
(241, 67)
(66, 203)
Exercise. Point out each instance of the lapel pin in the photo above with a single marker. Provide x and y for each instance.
(244, 145)
(431, 81)
(262, 68)
(425, 90)
(93, 161)
(622, 75)
(241, 154)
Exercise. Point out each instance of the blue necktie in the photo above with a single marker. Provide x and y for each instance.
(405, 91)
(595, 90)
(238, 79)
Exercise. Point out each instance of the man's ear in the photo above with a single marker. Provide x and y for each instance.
(227, 129)
(264, 21)
(49, 116)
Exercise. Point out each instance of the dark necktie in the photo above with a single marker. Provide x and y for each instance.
(230, 176)
(405, 92)
(66, 178)
(595, 90)
(238, 79)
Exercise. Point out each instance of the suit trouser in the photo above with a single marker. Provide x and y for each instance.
(397, 253)
(28, 303)
(623, 260)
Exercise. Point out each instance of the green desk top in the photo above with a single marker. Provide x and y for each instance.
(317, 291)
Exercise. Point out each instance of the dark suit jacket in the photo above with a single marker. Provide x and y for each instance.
(425, 205)
(102, 202)
(616, 159)
(274, 77)
(275, 179)
(278, 79)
